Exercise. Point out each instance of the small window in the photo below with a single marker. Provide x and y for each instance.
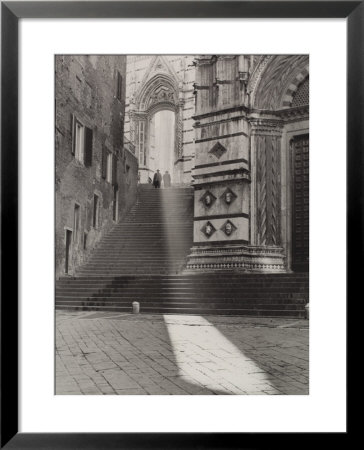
(119, 86)
(81, 142)
(95, 221)
(84, 240)
(108, 164)
(105, 164)
(109, 167)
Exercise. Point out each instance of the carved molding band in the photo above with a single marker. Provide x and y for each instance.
(261, 259)
(261, 126)
(237, 265)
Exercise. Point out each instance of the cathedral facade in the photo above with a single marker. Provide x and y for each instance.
(160, 83)
(251, 172)
(241, 139)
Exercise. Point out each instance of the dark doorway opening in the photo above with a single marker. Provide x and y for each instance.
(68, 250)
(115, 208)
(300, 225)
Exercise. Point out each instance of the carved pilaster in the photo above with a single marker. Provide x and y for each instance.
(179, 130)
(266, 146)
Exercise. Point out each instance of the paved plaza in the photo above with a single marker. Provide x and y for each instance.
(100, 353)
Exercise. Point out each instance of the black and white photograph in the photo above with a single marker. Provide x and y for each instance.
(181, 224)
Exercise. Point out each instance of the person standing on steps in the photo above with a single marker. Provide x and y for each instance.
(157, 179)
(167, 179)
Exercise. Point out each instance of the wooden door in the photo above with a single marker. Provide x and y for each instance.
(300, 225)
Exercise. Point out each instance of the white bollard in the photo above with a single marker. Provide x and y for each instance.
(307, 308)
(136, 307)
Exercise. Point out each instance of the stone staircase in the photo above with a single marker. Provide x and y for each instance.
(142, 259)
(155, 237)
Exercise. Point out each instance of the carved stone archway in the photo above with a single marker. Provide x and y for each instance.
(275, 124)
(275, 79)
(160, 92)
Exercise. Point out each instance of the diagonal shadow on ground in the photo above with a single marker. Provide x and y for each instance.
(280, 352)
(105, 353)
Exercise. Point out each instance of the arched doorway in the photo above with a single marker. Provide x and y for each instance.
(156, 123)
(162, 142)
(279, 85)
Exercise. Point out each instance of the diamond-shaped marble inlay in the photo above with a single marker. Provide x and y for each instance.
(218, 150)
(208, 229)
(208, 199)
(228, 228)
(228, 196)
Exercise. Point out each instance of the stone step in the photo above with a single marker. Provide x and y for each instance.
(182, 287)
(217, 311)
(192, 290)
(143, 257)
(228, 304)
(198, 277)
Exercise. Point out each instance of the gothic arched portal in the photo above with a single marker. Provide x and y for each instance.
(159, 93)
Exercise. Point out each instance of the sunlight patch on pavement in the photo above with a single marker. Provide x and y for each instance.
(205, 357)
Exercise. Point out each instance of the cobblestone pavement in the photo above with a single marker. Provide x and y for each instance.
(112, 353)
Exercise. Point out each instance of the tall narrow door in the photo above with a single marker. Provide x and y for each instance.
(300, 225)
(68, 250)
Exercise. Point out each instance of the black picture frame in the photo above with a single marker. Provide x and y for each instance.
(11, 12)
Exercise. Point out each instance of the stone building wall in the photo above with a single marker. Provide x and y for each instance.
(154, 83)
(90, 96)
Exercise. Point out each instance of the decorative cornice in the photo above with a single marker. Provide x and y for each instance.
(291, 114)
(243, 172)
(221, 163)
(204, 60)
(219, 112)
(225, 136)
(138, 114)
(262, 126)
(221, 216)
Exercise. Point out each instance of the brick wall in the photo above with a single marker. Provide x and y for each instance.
(87, 91)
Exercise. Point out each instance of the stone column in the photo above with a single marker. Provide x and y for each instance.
(178, 144)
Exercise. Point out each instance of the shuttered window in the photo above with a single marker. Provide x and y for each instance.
(115, 170)
(88, 147)
(73, 133)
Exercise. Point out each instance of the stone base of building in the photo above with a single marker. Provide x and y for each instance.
(236, 257)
